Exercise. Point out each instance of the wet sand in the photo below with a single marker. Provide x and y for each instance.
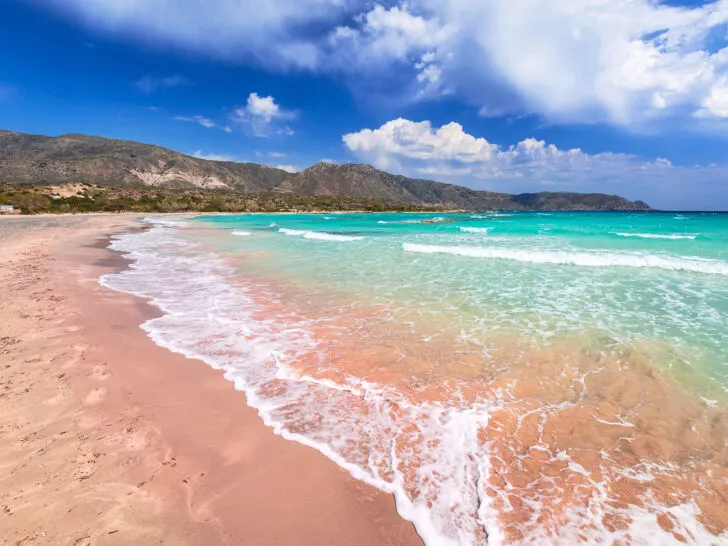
(584, 446)
(109, 439)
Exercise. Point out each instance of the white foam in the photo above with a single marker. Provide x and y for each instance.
(287, 231)
(473, 229)
(369, 430)
(399, 222)
(320, 235)
(166, 221)
(489, 215)
(656, 236)
(584, 259)
(429, 456)
(241, 233)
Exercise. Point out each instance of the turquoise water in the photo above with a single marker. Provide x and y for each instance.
(511, 378)
(621, 277)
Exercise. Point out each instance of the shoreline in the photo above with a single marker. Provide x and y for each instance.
(198, 213)
(123, 455)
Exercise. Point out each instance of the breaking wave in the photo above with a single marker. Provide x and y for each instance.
(320, 235)
(656, 236)
(584, 259)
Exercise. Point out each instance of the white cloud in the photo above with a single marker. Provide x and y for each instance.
(382, 35)
(288, 168)
(627, 62)
(418, 147)
(407, 139)
(277, 154)
(448, 153)
(215, 157)
(274, 33)
(264, 116)
(205, 122)
(149, 84)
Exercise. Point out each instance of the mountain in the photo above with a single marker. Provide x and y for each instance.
(366, 181)
(40, 160)
(33, 159)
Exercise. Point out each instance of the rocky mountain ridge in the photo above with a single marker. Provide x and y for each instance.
(41, 160)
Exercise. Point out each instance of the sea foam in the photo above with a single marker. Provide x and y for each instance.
(489, 215)
(241, 233)
(370, 430)
(655, 235)
(320, 235)
(466, 229)
(584, 259)
(430, 456)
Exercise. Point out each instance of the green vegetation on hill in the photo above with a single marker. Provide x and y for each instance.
(90, 198)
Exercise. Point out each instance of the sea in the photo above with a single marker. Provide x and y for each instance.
(509, 377)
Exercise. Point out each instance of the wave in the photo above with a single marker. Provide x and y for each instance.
(473, 229)
(584, 259)
(656, 236)
(241, 233)
(489, 215)
(170, 222)
(429, 456)
(319, 235)
(435, 220)
(369, 430)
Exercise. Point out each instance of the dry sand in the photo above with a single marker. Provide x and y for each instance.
(108, 439)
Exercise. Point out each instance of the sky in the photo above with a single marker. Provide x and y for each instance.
(614, 96)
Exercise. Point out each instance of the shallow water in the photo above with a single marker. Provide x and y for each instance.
(510, 377)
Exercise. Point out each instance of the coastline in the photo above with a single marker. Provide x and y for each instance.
(112, 439)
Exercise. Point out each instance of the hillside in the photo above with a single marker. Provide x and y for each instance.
(31, 160)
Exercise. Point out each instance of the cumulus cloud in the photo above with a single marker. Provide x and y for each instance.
(264, 116)
(288, 168)
(404, 144)
(150, 84)
(449, 153)
(631, 63)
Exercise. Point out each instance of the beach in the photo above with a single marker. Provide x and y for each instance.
(110, 439)
(455, 379)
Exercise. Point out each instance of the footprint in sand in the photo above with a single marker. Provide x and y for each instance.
(99, 372)
(95, 396)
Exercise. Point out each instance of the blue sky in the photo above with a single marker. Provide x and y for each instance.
(626, 97)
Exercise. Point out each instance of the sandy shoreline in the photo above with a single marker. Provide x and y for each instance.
(109, 439)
